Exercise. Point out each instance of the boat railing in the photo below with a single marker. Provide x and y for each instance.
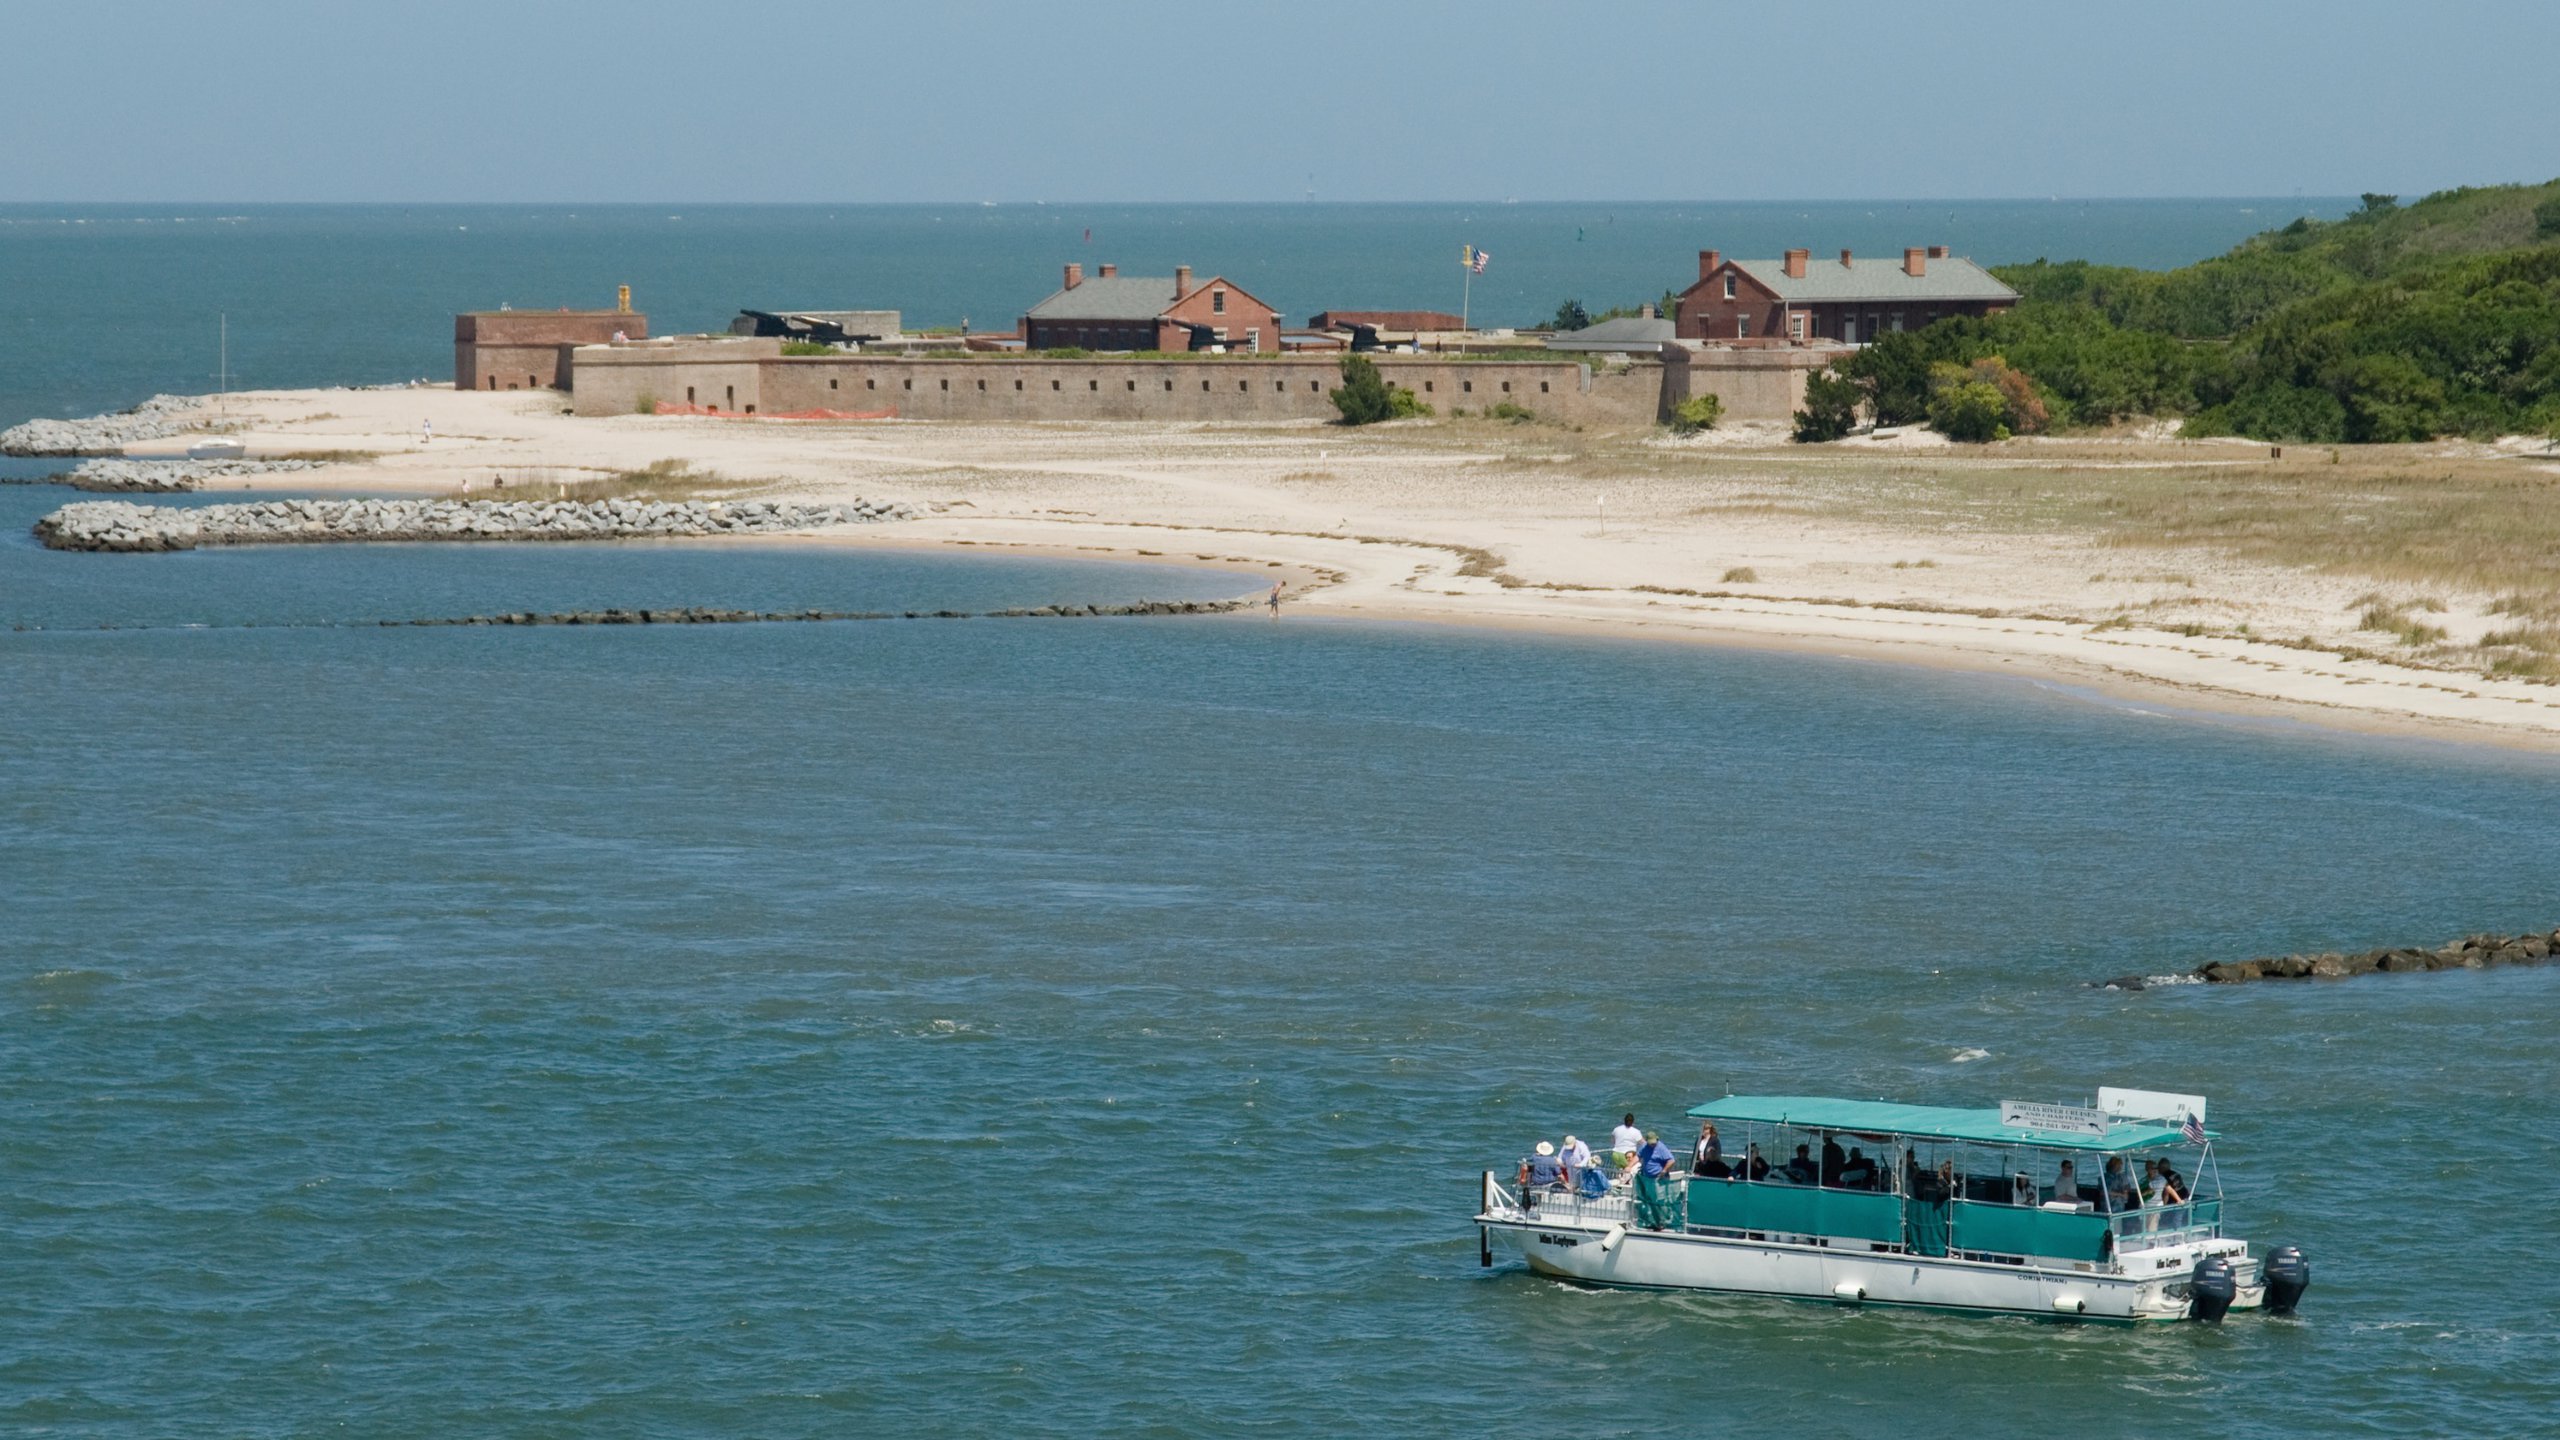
(2154, 1226)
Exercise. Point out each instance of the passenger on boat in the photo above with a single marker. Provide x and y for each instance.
(1859, 1172)
(1832, 1160)
(1707, 1157)
(2157, 1192)
(1652, 1172)
(1801, 1169)
(1542, 1171)
(1626, 1139)
(2022, 1190)
(2066, 1185)
(1753, 1167)
(1575, 1154)
(2117, 1183)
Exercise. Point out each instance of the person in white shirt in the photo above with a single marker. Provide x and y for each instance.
(1626, 1139)
(2066, 1185)
(1577, 1156)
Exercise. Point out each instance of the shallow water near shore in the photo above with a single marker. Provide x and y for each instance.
(1099, 1025)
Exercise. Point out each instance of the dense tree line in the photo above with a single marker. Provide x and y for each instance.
(2396, 323)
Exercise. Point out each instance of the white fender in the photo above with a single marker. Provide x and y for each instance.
(2071, 1302)
(1849, 1292)
(1609, 1240)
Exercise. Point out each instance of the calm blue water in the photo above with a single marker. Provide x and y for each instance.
(1096, 1027)
(103, 305)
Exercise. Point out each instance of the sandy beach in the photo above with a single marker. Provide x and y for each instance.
(2099, 562)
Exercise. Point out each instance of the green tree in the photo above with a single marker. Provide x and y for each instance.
(1830, 410)
(1895, 371)
(1571, 316)
(2375, 206)
(2546, 218)
(1362, 397)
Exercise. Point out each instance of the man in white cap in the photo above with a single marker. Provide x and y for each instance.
(1542, 1171)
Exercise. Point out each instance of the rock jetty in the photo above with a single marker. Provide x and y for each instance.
(157, 418)
(165, 477)
(121, 525)
(2472, 952)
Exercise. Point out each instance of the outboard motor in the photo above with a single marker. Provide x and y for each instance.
(2287, 1275)
(2210, 1291)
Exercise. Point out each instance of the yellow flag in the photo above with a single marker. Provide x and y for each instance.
(1467, 255)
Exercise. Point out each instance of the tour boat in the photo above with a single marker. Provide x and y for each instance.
(1941, 1208)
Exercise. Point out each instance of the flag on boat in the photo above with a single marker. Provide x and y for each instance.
(2192, 1128)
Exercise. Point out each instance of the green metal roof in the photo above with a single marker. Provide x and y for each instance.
(1927, 1122)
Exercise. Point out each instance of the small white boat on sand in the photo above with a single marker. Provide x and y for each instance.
(2026, 1209)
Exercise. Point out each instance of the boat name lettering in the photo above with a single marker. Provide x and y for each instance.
(1567, 1241)
(2060, 1119)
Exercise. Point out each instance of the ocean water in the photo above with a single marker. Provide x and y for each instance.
(1098, 1027)
(104, 305)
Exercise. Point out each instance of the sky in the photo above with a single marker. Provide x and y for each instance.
(1236, 100)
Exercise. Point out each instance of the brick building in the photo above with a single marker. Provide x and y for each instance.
(1113, 311)
(528, 349)
(1796, 299)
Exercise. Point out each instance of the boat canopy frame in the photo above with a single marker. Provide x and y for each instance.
(1879, 1118)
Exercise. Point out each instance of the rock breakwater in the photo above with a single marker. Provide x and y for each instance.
(119, 525)
(2472, 952)
(157, 418)
(165, 477)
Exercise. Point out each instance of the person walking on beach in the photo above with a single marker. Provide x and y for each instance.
(426, 432)
(1275, 597)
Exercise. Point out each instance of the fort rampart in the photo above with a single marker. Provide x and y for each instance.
(750, 376)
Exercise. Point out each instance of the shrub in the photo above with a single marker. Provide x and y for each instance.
(1698, 412)
(1741, 575)
(2022, 409)
(808, 347)
(1405, 405)
(1830, 407)
(1970, 410)
(1362, 396)
(647, 404)
(2546, 218)
(1505, 410)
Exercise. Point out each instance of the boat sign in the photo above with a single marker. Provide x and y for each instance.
(2162, 1105)
(2057, 1119)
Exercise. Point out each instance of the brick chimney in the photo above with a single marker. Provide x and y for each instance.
(1708, 260)
(1647, 311)
(1109, 270)
(1075, 275)
(1181, 281)
(1795, 263)
(1937, 252)
(1844, 259)
(1915, 261)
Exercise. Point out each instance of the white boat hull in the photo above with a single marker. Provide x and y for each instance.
(1595, 1242)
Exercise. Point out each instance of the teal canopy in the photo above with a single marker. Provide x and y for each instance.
(1928, 1122)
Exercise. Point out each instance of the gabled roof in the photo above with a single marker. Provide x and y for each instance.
(1627, 332)
(1877, 279)
(1111, 297)
(1927, 1122)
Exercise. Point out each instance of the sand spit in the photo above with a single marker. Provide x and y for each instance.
(2324, 585)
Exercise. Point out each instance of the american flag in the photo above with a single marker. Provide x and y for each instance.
(2193, 1129)
(1481, 257)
